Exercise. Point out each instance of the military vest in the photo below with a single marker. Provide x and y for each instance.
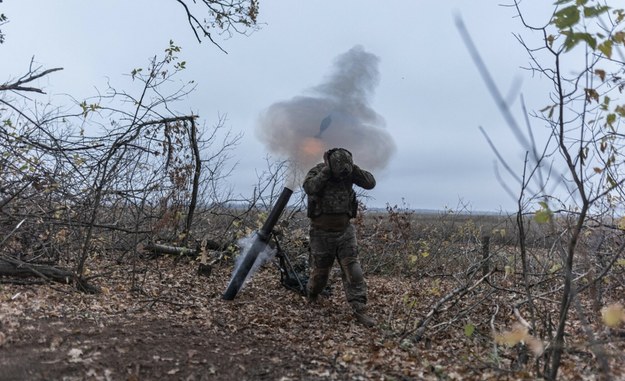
(337, 197)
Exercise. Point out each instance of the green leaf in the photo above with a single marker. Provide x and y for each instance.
(595, 11)
(469, 329)
(606, 48)
(572, 39)
(134, 72)
(567, 17)
(543, 215)
(590, 40)
(610, 119)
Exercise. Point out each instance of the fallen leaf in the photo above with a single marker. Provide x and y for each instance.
(75, 355)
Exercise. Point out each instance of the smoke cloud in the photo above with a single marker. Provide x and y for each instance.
(335, 113)
(263, 257)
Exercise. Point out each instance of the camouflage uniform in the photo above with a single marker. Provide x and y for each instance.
(331, 205)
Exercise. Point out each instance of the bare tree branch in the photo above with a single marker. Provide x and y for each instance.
(29, 77)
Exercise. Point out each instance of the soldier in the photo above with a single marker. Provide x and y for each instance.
(331, 205)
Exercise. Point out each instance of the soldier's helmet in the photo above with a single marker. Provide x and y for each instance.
(341, 162)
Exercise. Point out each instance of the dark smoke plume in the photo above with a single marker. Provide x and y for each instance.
(335, 113)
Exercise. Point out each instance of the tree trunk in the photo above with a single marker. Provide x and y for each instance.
(11, 267)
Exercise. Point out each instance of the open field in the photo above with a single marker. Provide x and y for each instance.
(448, 306)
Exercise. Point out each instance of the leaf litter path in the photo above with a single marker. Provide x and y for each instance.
(175, 326)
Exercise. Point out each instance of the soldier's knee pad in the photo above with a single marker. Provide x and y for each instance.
(354, 273)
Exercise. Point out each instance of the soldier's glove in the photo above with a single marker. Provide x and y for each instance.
(326, 171)
(326, 160)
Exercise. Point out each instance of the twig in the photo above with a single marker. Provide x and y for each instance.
(421, 327)
(12, 231)
(17, 86)
(523, 322)
(492, 329)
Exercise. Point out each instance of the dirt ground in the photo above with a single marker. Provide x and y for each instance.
(177, 327)
(53, 349)
(159, 320)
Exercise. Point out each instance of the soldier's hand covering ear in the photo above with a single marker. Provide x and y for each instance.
(341, 164)
(326, 160)
(326, 171)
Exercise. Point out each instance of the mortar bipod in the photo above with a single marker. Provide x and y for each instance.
(288, 276)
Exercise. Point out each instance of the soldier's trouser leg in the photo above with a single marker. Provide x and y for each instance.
(353, 279)
(321, 261)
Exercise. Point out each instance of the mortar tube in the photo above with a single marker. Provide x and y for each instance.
(261, 238)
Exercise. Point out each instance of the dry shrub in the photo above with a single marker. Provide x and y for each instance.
(402, 241)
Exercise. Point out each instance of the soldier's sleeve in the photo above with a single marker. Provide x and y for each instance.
(316, 179)
(362, 178)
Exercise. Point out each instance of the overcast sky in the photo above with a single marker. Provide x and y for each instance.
(429, 94)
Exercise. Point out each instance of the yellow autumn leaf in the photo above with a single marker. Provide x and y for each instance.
(347, 357)
(613, 315)
(555, 268)
(542, 216)
(508, 270)
(621, 223)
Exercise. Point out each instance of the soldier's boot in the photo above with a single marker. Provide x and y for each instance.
(312, 298)
(361, 315)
